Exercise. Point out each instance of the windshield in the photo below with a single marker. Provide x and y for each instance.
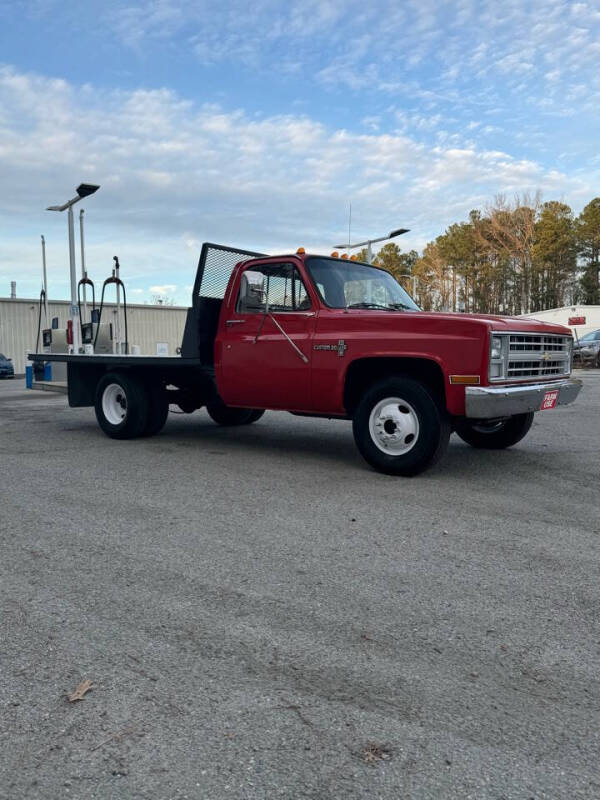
(351, 284)
(3, 358)
(589, 337)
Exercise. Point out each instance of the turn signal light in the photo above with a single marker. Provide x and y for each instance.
(345, 256)
(300, 251)
(335, 254)
(352, 257)
(464, 380)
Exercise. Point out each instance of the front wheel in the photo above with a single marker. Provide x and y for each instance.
(228, 415)
(494, 434)
(399, 428)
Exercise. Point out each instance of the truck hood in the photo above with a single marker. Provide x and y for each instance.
(498, 323)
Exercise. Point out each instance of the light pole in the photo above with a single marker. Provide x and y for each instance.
(83, 190)
(83, 270)
(369, 242)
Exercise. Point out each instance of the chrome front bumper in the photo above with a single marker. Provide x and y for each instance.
(489, 402)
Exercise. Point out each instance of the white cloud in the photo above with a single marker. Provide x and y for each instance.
(167, 288)
(174, 174)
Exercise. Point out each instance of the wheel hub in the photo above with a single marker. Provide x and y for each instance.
(114, 404)
(394, 426)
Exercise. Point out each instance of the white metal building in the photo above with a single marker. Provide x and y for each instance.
(581, 319)
(148, 325)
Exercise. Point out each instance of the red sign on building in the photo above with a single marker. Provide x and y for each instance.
(576, 320)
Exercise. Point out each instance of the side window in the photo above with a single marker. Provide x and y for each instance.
(278, 286)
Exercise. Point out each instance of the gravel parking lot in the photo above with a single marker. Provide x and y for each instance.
(263, 616)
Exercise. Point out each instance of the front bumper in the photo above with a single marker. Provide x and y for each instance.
(489, 402)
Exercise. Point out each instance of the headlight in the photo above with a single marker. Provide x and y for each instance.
(496, 348)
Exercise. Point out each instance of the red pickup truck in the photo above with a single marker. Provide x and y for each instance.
(328, 337)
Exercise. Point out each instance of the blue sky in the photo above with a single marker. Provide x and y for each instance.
(256, 124)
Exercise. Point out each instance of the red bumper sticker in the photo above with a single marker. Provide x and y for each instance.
(549, 400)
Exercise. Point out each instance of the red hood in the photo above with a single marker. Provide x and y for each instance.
(498, 323)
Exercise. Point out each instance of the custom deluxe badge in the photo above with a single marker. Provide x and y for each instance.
(341, 347)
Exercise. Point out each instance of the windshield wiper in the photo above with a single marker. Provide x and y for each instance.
(369, 305)
(401, 305)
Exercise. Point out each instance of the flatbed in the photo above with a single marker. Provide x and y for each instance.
(117, 360)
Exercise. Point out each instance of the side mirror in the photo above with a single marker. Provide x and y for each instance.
(252, 291)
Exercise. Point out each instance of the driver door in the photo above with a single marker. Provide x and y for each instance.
(267, 343)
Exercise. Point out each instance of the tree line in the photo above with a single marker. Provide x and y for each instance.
(512, 258)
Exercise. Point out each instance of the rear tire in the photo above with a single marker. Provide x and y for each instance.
(229, 416)
(494, 435)
(121, 406)
(399, 427)
(158, 410)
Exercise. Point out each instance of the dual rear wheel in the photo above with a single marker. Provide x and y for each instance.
(127, 407)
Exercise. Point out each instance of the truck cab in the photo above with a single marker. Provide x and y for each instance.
(324, 336)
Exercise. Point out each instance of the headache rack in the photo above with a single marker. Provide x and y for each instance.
(532, 355)
(216, 264)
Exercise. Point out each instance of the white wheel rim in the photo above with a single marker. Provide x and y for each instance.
(394, 426)
(114, 404)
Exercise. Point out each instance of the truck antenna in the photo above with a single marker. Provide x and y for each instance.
(349, 223)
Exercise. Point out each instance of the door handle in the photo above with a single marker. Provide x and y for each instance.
(234, 321)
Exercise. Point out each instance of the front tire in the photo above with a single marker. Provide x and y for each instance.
(121, 406)
(230, 416)
(494, 434)
(399, 428)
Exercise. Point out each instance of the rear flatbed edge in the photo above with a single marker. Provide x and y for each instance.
(118, 360)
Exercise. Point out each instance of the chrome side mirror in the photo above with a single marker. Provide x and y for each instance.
(252, 291)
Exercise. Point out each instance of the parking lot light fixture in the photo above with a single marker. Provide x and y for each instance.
(369, 242)
(83, 190)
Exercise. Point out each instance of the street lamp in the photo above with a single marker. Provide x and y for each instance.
(83, 190)
(369, 242)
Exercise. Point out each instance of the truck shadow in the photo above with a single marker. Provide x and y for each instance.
(323, 440)
(328, 440)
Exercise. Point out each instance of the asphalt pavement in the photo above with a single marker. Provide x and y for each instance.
(261, 615)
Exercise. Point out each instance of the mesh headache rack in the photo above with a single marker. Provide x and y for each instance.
(216, 264)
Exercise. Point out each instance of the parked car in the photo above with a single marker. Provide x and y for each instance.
(6, 367)
(586, 351)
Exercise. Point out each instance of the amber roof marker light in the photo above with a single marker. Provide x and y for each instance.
(369, 242)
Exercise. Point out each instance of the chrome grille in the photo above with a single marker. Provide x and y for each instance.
(533, 355)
